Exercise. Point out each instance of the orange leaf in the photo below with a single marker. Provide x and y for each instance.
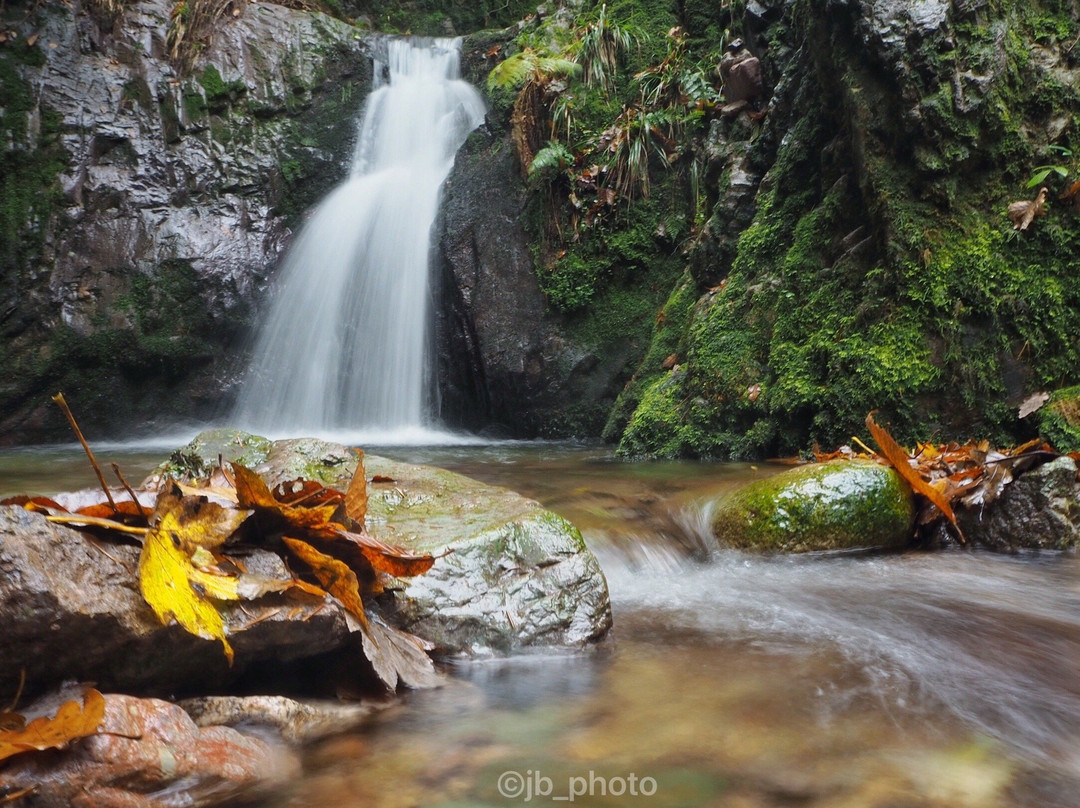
(388, 558)
(72, 720)
(899, 459)
(356, 496)
(335, 576)
(252, 492)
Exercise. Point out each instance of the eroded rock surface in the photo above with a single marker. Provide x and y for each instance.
(150, 754)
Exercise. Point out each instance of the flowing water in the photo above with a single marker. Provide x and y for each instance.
(947, 680)
(345, 346)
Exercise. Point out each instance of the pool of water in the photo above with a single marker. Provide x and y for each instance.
(828, 681)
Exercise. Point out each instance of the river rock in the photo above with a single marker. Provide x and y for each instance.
(150, 754)
(518, 575)
(71, 609)
(828, 506)
(1039, 510)
(295, 721)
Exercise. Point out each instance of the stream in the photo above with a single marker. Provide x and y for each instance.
(869, 681)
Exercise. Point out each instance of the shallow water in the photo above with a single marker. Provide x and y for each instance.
(733, 680)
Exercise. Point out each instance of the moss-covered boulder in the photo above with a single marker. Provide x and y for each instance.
(829, 506)
(1059, 420)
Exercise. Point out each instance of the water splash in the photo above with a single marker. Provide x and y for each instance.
(346, 345)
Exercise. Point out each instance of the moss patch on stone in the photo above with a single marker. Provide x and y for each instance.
(1059, 420)
(839, 505)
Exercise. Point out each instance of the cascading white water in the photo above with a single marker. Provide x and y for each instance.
(345, 347)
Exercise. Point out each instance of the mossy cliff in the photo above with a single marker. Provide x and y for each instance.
(143, 203)
(858, 255)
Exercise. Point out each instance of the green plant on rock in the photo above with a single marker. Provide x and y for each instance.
(601, 44)
(532, 74)
(549, 164)
(1040, 173)
(636, 137)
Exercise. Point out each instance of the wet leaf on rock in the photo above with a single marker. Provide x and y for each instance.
(72, 721)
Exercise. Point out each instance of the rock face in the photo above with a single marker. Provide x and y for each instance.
(1039, 510)
(72, 610)
(896, 135)
(516, 577)
(150, 754)
(507, 358)
(162, 199)
(830, 506)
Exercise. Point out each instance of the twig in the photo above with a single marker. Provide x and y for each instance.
(18, 693)
(107, 554)
(17, 794)
(59, 399)
(123, 482)
(95, 521)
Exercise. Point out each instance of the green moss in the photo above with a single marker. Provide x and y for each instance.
(829, 506)
(219, 93)
(1059, 420)
(879, 271)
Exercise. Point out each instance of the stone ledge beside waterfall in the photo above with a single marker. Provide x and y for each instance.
(519, 577)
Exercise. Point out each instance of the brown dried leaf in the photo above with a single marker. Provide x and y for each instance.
(899, 459)
(335, 576)
(1023, 212)
(1033, 403)
(356, 497)
(387, 558)
(398, 658)
(36, 504)
(72, 721)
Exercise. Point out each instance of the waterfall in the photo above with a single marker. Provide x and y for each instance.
(346, 347)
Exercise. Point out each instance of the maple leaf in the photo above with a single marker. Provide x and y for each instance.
(73, 720)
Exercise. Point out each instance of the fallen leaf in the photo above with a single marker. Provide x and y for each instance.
(1033, 403)
(382, 478)
(1023, 213)
(73, 720)
(398, 658)
(900, 460)
(171, 584)
(335, 575)
(356, 497)
(387, 558)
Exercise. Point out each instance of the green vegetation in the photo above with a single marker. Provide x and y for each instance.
(879, 270)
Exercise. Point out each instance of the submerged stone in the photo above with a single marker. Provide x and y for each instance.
(828, 506)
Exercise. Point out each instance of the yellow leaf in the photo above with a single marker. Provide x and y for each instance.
(170, 583)
(72, 720)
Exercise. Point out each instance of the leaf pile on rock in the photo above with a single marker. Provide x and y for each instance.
(194, 531)
(951, 475)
